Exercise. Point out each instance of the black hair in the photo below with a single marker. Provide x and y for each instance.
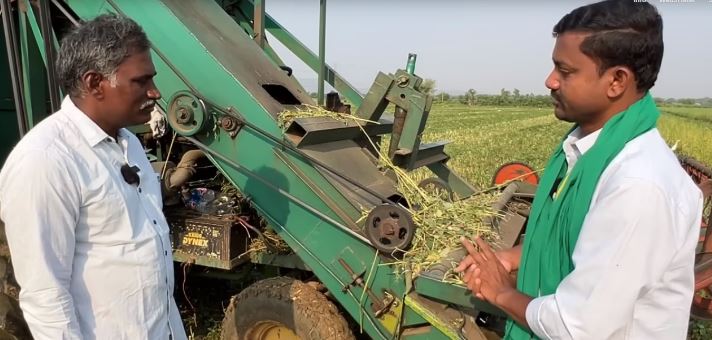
(100, 44)
(623, 33)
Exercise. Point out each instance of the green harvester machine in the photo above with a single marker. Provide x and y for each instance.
(223, 89)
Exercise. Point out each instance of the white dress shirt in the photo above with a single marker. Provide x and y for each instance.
(91, 253)
(634, 259)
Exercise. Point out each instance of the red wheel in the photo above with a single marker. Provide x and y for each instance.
(702, 300)
(515, 171)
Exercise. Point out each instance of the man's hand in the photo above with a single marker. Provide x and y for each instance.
(508, 257)
(490, 278)
(491, 281)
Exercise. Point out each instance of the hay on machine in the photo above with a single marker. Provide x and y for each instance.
(441, 222)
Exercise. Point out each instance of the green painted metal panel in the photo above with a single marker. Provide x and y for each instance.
(34, 25)
(321, 69)
(453, 294)
(306, 55)
(457, 183)
(8, 119)
(245, 22)
(33, 73)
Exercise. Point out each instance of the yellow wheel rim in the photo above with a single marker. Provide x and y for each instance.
(271, 330)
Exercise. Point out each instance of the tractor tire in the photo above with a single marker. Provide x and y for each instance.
(283, 308)
(12, 323)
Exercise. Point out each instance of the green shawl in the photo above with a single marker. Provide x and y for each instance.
(555, 223)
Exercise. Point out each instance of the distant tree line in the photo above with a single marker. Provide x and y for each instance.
(698, 102)
(516, 98)
(504, 98)
(471, 97)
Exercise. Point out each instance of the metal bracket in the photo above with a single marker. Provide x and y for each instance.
(378, 306)
(230, 125)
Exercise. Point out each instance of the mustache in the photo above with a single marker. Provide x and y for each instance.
(555, 96)
(147, 104)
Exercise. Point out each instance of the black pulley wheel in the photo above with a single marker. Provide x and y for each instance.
(390, 229)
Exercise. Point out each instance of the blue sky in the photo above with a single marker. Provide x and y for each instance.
(486, 45)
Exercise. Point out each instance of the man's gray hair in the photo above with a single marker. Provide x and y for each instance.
(100, 45)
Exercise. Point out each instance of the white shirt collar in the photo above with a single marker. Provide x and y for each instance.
(575, 146)
(585, 143)
(87, 127)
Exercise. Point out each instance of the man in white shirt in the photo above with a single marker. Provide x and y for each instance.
(610, 244)
(81, 205)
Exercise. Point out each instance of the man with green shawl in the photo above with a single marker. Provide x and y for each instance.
(609, 246)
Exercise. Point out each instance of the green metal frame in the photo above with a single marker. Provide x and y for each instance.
(35, 82)
(412, 110)
(303, 53)
(253, 30)
(322, 50)
(9, 133)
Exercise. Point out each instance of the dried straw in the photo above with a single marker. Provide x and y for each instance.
(440, 222)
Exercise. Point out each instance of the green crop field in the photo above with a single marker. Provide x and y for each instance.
(483, 138)
(691, 128)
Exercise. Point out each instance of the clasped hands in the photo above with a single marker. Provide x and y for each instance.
(486, 273)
